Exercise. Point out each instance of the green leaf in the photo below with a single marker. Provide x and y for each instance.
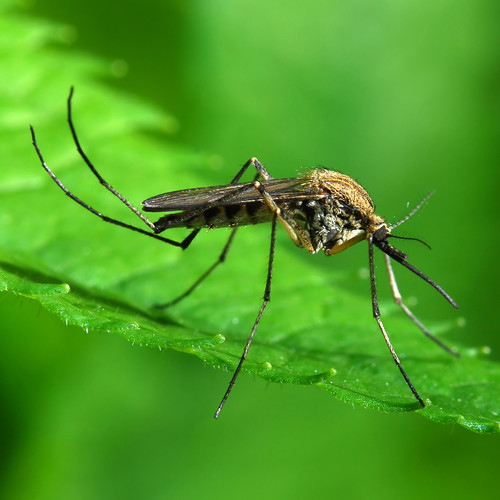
(106, 279)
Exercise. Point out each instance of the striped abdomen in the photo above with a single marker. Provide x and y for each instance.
(219, 216)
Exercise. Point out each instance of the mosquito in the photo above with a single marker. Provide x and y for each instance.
(321, 210)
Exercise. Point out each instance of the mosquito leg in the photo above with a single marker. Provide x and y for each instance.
(376, 315)
(183, 244)
(93, 210)
(227, 246)
(267, 296)
(186, 242)
(297, 234)
(96, 173)
(220, 260)
(399, 301)
(261, 172)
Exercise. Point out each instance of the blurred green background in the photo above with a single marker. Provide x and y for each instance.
(403, 97)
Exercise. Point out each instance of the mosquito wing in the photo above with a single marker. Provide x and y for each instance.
(230, 205)
(229, 194)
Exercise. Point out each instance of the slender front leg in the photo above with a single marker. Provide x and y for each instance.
(298, 235)
(376, 315)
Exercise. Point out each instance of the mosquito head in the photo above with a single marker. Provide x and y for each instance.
(380, 237)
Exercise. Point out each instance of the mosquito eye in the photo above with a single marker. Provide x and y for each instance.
(380, 234)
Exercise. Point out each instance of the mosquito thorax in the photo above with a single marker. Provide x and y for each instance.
(345, 216)
(342, 188)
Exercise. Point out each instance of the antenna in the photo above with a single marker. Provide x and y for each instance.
(418, 207)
